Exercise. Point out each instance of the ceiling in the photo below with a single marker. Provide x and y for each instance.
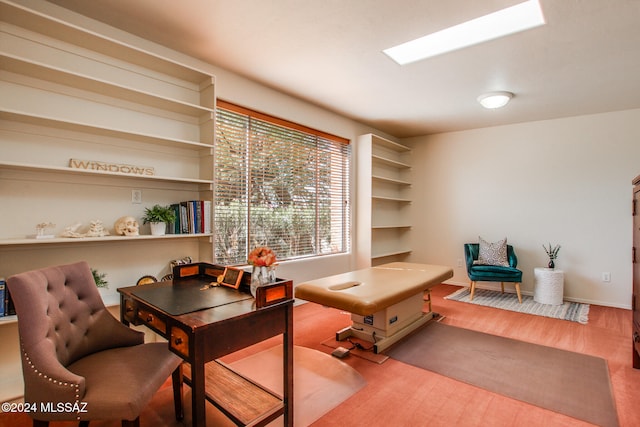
(585, 60)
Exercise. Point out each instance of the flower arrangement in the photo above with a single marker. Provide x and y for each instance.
(263, 260)
(552, 252)
(262, 256)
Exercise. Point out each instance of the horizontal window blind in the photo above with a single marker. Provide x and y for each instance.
(279, 185)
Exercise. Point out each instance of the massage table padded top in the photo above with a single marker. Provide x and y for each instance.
(373, 289)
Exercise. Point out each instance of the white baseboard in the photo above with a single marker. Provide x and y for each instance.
(495, 286)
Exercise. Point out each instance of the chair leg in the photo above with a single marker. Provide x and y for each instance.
(40, 423)
(176, 379)
(502, 285)
(83, 424)
(473, 289)
(518, 292)
(131, 423)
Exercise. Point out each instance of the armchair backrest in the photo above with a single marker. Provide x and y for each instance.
(61, 314)
(471, 254)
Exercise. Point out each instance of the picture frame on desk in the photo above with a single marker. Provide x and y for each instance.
(232, 277)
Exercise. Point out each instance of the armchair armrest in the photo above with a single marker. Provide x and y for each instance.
(511, 255)
(46, 379)
(470, 254)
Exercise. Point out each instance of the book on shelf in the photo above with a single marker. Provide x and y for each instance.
(6, 302)
(192, 217)
(3, 286)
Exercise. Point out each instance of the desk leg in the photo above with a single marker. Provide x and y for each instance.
(177, 382)
(198, 400)
(288, 367)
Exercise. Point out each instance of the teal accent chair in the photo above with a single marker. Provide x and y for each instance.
(492, 273)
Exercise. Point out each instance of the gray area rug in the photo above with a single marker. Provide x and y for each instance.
(573, 311)
(569, 383)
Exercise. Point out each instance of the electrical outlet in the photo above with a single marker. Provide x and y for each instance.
(136, 196)
(606, 276)
(459, 262)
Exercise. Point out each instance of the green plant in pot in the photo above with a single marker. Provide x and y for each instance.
(100, 278)
(552, 253)
(158, 217)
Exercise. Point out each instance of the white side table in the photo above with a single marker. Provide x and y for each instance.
(549, 286)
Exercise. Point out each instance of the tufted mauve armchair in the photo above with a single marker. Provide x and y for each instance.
(77, 359)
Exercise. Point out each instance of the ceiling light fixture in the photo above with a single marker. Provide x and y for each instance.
(507, 21)
(493, 100)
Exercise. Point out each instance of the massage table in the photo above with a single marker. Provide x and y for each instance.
(385, 301)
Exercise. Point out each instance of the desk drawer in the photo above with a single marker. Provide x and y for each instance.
(179, 342)
(153, 319)
(129, 311)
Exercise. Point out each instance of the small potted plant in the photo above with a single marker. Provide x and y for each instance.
(158, 217)
(100, 279)
(552, 253)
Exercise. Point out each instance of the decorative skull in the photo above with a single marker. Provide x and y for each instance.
(127, 226)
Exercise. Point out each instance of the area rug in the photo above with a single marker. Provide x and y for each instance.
(573, 311)
(320, 381)
(569, 383)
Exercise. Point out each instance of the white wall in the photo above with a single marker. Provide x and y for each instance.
(564, 181)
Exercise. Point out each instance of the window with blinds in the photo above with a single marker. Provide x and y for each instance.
(277, 184)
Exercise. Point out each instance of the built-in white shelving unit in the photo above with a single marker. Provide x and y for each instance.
(384, 200)
(69, 92)
(73, 88)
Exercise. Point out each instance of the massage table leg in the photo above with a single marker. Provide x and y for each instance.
(388, 326)
(386, 342)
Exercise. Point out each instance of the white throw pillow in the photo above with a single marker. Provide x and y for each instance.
(493, 253)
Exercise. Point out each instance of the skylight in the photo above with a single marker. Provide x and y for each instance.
(514, 19)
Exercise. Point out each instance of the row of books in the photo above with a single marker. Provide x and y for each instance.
(6, 304)
(193, 216)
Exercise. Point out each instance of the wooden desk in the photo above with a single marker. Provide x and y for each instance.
(231, 322)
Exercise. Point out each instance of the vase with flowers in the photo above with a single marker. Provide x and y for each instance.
(263, 260)
(552, 252)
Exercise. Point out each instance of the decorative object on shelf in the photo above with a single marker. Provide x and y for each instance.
(263, 260)
(145, 280)
(173, 263)
(94, 165)
(127, 226)
(96, 229)
(99, 278)
(72, 230)
(41, 230)
(181, 261)
(552, 252)
(158, 217)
